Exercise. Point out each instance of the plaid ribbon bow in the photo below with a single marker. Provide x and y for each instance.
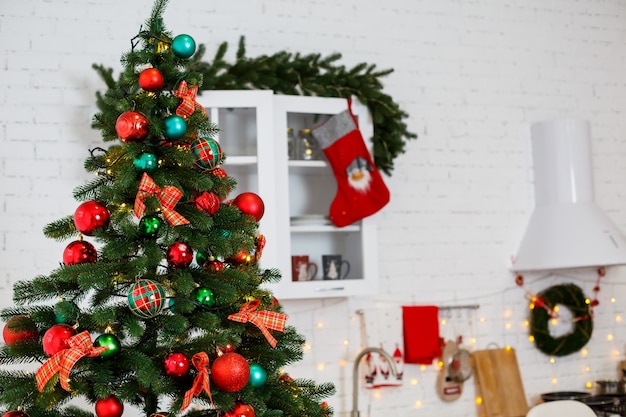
(188, 97)
(261, 319)
(62, 362)
(168, 196)
(201, 362)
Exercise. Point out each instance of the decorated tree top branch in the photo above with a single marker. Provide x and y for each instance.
(313, 75)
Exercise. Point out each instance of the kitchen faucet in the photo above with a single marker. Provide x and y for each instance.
(355, 376)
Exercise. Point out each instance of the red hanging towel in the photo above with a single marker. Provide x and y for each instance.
(420, 325)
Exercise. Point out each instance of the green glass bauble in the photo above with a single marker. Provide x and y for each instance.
(66, 312)
(258, 376)
(111, 342)
(146, 162)
(201, 258)
(149, 225)
(204, 296)
(183, 46)
(175, 127)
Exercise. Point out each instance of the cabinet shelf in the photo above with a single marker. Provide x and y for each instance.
(323, 228)
(241, 160)
(297, 193)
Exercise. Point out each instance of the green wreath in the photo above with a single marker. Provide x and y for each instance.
(313, 75)
(572, 297)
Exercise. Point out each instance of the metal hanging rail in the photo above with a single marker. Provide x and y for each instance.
(461, 307)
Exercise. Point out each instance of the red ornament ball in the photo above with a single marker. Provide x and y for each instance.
(176, 365)
(109, 407)
(91, 215)
(251, 204)
(56, 337)
(15, 413)
(151, 79)
(219, 172)
(19, 329)
(215, 266)
(241, 409)
(79, 252)
(179, 255)
(240, 258)
(230, 372)
(132, 126)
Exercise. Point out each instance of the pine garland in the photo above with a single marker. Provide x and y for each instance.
(313, 75)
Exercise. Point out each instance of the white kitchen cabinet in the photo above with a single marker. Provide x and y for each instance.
(297, 194)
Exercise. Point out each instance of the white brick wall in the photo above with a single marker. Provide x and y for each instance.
(472, 74)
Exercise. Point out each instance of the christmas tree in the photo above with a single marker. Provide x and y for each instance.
(159, 302)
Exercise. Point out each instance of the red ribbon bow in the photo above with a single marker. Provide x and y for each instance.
(188, 97)
(201, 382)
(261, 319)
(63, 361)
(168, 196)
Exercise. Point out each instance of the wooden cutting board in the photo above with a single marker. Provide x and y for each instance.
(499, 383)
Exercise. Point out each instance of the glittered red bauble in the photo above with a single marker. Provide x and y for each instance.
(79, 252)
(241, 409)
(109, 407)
(15, 413)
(251, 204)
(19, 329)
(91, 215)
(219, 172)
(132, 126)
(179, 255)
(176, 365)
(151, 79)
(56, 337)
(230, 372)
(215, 266)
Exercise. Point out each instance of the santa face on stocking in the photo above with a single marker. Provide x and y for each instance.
(360, 188)
(359, 174)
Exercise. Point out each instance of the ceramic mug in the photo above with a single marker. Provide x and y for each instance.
(334, 267)
(302, 269)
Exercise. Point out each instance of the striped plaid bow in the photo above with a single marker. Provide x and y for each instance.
(201, 362)
(262, 319)
(188, 97)
(168, 196)
(63, 361)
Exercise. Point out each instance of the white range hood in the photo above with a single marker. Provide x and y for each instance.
(566, 229)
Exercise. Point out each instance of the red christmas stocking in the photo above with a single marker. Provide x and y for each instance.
(361, 191)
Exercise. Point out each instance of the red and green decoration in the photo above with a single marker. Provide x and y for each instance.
(146, 298)
(542, 311)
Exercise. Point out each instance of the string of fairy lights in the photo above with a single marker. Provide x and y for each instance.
(479, 330)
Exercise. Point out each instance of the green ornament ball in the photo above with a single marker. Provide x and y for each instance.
(171, 305)
(175, 127)
(66, 312)
(146, 162)
(149, 225)
(201, 258)
(258, 376)
(111, 342)
(204, 296)
(183, 46)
